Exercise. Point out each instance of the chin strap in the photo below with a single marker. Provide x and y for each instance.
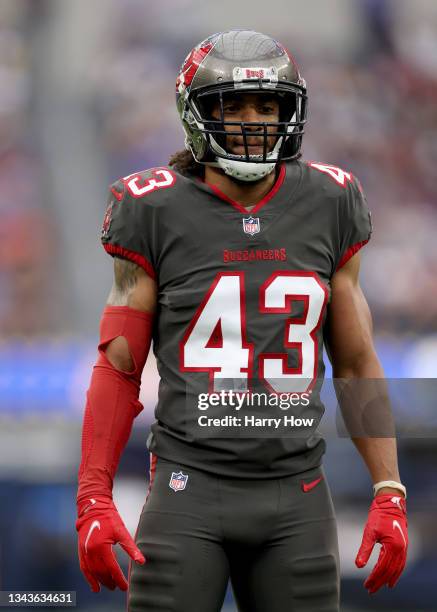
(245, 171)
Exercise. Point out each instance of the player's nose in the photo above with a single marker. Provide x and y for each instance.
(249, 114)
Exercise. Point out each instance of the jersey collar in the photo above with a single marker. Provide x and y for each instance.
(271, 194)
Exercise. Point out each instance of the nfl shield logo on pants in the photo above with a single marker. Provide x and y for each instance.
(178, 481)
(251, 225)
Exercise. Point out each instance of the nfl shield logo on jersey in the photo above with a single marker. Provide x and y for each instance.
(178, 481)
(251, 225)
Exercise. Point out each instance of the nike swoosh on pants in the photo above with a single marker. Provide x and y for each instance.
(307, 486)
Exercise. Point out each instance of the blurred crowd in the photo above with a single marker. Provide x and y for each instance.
(372, 111)
(25, 226)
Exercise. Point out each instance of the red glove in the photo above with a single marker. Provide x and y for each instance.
(387, 525)
(100, 527)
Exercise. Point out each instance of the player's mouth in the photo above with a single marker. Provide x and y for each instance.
(254, 148)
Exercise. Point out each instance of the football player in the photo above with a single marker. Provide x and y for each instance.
(239, 260)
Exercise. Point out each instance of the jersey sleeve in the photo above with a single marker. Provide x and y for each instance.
(355, 222)
(127, 227)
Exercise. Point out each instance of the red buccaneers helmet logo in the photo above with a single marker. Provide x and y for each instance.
(107, 220)
(192, 63)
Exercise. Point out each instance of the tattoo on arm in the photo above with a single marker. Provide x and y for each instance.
(126, 275)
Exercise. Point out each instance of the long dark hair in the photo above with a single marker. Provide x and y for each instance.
(184, 163)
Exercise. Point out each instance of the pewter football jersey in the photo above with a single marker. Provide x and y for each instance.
(242, 302)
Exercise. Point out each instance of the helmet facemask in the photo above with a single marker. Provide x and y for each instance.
(280, 139)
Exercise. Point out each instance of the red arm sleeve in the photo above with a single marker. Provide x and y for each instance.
(112, 400)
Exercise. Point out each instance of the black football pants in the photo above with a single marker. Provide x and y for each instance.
(276, 542)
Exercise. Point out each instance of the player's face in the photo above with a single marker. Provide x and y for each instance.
(248, 108)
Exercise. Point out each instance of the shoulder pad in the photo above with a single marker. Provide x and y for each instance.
(333, 174)
(142, 184)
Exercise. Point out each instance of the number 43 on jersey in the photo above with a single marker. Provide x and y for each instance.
(216, 341)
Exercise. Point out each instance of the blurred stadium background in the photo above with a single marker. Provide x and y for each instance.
(87, 96)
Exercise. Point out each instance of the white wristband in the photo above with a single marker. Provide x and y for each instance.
(392, 484)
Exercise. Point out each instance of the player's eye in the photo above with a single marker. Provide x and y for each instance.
(230, 108)
(267, 109)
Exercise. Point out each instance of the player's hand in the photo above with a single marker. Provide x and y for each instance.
(387, 525)
(99, 527)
